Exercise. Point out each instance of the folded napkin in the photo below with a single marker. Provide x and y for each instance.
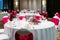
(21, 17)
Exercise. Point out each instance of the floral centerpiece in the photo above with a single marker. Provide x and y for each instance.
(34, 21)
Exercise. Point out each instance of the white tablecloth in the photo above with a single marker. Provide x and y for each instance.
(44, 31)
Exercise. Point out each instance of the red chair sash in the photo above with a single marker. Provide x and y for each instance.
(5, 20)
(43, 13)
(15, 12)
(46, 16)
(57, 15)
(55, 21)
(38, 10)
(9, 11)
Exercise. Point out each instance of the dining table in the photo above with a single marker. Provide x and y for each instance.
(45, 30)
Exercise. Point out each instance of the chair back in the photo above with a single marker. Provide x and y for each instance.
(43, 13)
(57, 14)
(5, 19)
(46, 15)
(9, 11)
(55, 21)
(23, 35)
(15, 12)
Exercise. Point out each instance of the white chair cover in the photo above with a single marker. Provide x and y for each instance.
(4, 37)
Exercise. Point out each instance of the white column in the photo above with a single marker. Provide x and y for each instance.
(43, 5)
(16, 4)
(38, 4)
(30, 4)
(34, 3)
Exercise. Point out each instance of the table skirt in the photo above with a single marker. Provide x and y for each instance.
(38, 34)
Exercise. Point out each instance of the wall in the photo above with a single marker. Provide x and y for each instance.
(7, 4)
(23, 4)
(1, 4)
(53, 6)
(30, 4)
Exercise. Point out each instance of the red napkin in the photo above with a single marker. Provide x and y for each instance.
(38, 17)
(21, 17)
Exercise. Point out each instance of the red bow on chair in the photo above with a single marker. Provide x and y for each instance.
(9, 11)
(43, 13)
(57, 14)
(55, 21)
(38, 10)
(46, 15)
(5, 20)
(15, 12)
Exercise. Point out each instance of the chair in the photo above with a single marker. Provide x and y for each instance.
(9, 11)
(56, 22)
(43, 13)
(57, 14)
(17, 10)
(1, 31)
(4, 37)
(5, 19)
(14, 13)
(23, 34)
(0, 11)
(46, 15)
(38, 10)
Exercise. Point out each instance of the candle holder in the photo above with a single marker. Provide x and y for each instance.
(34, 22)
